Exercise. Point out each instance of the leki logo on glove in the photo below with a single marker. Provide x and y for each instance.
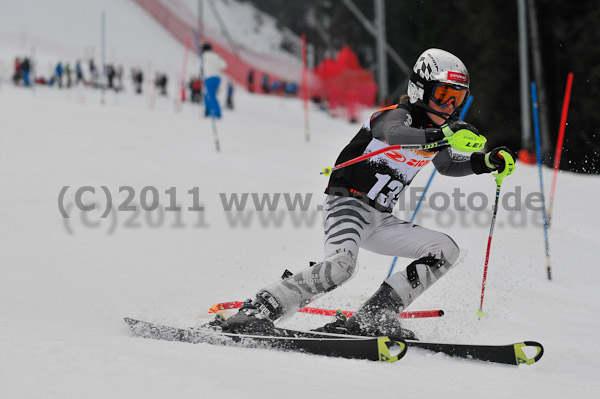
(458, 77)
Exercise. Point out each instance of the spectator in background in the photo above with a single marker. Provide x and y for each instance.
(229, 103)
(26, 70)
(160, 82)
(291, 89)
(93, 73)
(265, 84)
(18, 71)
(58, 74)
(110, 76)
(251, 80)
(119, 76)
(138, 79)
(68, 74)
(213, 66)
(78, 73)
(196, 89)
(275, 87)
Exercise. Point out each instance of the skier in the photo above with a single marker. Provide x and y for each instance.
(213, 65)
(361, 197)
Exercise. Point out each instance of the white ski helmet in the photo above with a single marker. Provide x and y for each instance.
(436, 66)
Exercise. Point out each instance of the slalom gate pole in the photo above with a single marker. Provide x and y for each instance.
(183, 75)
(559, 143)
(412, 219)
(331, 312)
(212, 114)
(463, 112)
(414, 215)
(102, 52)
(305, 89)
(538, 149)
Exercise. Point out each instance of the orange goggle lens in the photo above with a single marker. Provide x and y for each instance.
(444, 95)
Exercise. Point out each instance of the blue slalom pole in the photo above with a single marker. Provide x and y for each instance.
(413, 217)
(465, 108)
(538, 149)
(462, 114)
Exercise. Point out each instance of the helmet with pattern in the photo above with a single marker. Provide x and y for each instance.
(440, 76)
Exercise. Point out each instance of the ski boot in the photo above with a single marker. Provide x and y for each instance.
(376, 317)
(254, 317)
(337, 326)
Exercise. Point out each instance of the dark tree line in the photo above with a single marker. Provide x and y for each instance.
(484, 34)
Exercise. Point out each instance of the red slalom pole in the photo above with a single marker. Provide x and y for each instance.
(183, 75)
(559, 143)
(404, 315)
(331, 312)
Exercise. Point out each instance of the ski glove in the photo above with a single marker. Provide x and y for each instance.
(447, 130)
(494, 161)
(459, 135)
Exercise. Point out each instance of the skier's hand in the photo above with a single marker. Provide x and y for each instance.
(453, 127)
(460, 135)
(439, 133)
(500, 159)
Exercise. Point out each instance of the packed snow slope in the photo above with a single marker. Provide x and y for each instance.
(66, 283)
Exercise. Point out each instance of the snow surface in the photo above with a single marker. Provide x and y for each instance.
(66, 284)
(247, 26)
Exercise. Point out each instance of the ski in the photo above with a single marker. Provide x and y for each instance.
(513, 354)
(384, 349)
(387, 349)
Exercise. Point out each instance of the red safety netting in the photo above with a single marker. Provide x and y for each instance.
(345, 84)
(341, 82)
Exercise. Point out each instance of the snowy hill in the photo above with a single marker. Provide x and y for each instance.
(66, 284)
(249, 28)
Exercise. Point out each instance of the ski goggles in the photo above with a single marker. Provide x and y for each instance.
(444, 94)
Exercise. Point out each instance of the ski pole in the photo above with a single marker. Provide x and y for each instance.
(480, 312)
(328, 170)
(463, 140)
(508, 169)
